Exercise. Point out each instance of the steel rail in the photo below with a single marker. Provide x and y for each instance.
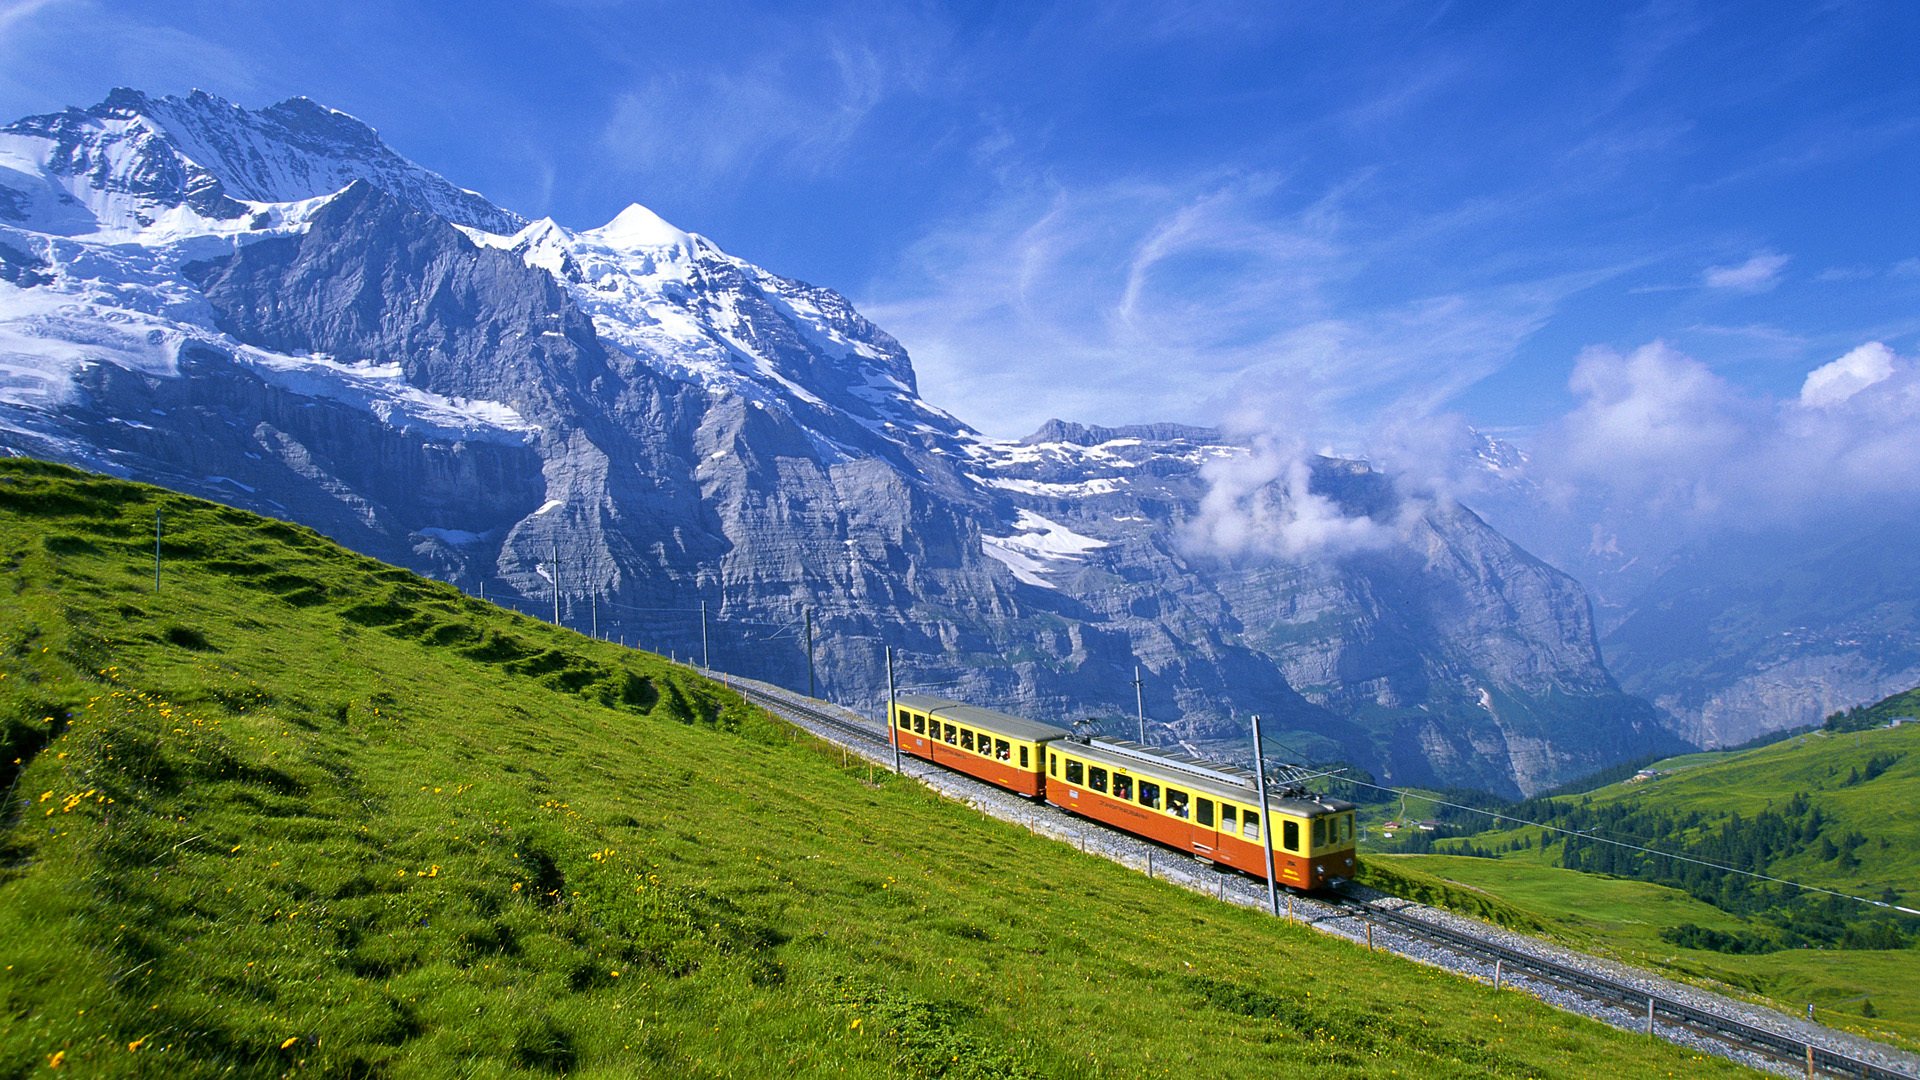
(1726, 1029)
(818, 716)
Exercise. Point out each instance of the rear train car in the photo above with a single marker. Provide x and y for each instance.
(994, 746)
(1208, 809)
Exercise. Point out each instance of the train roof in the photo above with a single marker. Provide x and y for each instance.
(1017, 727)
(1217, 778)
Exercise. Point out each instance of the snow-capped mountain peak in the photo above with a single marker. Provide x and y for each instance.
(127, 162)
(637, 228)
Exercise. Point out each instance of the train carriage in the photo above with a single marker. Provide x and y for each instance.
(994, 746)
(1207, 809)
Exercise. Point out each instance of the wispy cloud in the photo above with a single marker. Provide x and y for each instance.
(1757, 274)
(797, 108)
(15, 12)
(1199, 298)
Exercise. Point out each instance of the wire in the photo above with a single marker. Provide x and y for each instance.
(1633, 847)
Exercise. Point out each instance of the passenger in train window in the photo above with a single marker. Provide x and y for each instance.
(1250, 827)
(1001, 750)
(1149, 794)
(1073, 771)
(953, 734)
(919, 725)
(1176, 802)
(1097, 779)
(1122, 786)
(1203, 813)
(1229, 818)
(966, 739)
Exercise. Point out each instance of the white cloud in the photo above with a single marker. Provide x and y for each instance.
(1832, 384)
(1657, 435)
(1757, 274)
(1262, 505)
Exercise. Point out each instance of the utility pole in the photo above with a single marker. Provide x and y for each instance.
(1266, 814)
(593, 604)
(705, 659)
(1140, 704)
(556, 581)
(810, 692)
(156, 549)
(893, 728)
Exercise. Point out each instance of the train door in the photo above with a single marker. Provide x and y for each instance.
(1206, 828)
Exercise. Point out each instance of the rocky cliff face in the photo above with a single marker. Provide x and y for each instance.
(1775, 630)
(274, 309)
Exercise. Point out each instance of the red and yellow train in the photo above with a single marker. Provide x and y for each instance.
(1206, 809)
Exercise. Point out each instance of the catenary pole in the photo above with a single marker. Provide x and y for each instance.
(156, 549)
(893, 727)
(556, 581)
(593, 605)
(706, 662)
(1266, 814)
(810, 692)
(1139, 704)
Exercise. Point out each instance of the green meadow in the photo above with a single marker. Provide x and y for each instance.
(1864, 785)
(301, 812)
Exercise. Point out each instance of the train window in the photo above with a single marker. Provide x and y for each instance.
(966, 739)
(1001, 750)
(1203, 813)
(919, 725)
(1073, 771)
(1229, 818)
(1290, 836)
(1097, 778)
(1346, 827)
(1319, 832)
(1250, 826)
(1122, 786)
(1023, 757)
(953, 734)
(1176, 803)
(1053, 764)
(1149, 794)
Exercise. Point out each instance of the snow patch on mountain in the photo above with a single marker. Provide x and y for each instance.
(1040, 546)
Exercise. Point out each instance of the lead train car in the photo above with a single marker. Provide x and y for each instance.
(993, 746)
(1206, 808)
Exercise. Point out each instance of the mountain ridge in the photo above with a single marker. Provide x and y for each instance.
(691, 433)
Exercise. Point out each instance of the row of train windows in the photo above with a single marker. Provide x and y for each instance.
(1151, 795)
(1232, 818)
(982, 743)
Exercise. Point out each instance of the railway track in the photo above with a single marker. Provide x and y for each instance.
(1732, 1032)
(1817, 1059)
(870, 736)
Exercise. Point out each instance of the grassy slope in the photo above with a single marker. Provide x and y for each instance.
(299, 810)
(1625, 917)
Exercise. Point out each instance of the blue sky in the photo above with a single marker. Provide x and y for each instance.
(1332, 222)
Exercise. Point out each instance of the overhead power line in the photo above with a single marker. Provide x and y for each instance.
(1599, 838)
